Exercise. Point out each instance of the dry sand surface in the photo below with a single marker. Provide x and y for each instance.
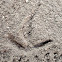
(31, 31)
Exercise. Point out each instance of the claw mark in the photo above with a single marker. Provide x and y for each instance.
(42, 43)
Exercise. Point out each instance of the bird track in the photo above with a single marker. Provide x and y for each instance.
(21, 40)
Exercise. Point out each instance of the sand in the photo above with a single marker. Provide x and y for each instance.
(43, 26)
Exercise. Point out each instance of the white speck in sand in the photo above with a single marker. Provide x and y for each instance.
(2, 16)
(26, 0)
(7, 27)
